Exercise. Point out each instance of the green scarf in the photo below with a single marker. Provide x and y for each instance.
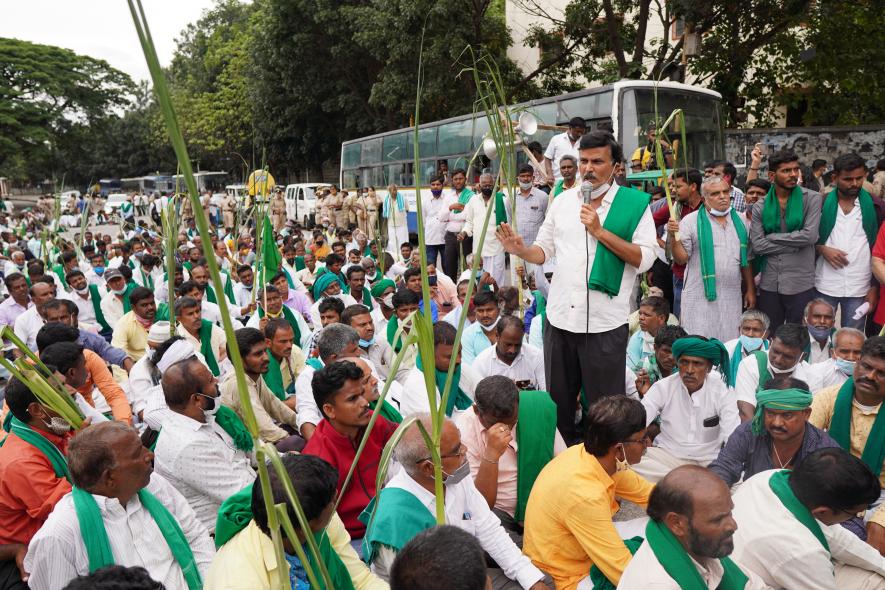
(396, 342)
(627, 209)
(500, 209)
(600, 582)
(393, 518)
(127, 305)
(299, 263)
(780, 485)
(840, 429)
(762, 365)
(791, 400)
(229, 289)
(540, 308)
(457, 397)
(59, 271)
(465, 195)
(293, 321)
(210, 294)
(274, 377)
(95, 299)
(794, 217)
(206, 347)
(98, 546)
(387, 411)
(147, 279)
(231, 423)
(830, 212)
(35, 439)
(707, 250)
(678, 565)
(737, 357)
(534, 439)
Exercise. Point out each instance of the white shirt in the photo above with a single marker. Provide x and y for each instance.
(315, 308)
(9, 267)
(527, 366)
(112, 309)
(27, 325)
(747, 380)
(771, 542)
(414, 398)
(454, 220)
(202, 462)
(242, 295)
(645, 572)
(84, 305)
(466, 509)
(56, 554)
(559, 146)
(847, 235)
(434, 222)
(562, 235)
(825, 374)
(683, 433)
(380, 322)
(475, 218)
(92, 278)
(140, 383)
(307, 411)
(819, 353)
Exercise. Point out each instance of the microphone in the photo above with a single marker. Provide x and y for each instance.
(586, 190)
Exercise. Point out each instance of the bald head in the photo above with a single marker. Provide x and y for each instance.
(182, 380)
(677, 491)
(91, 451)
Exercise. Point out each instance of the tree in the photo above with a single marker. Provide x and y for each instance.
(45, 91)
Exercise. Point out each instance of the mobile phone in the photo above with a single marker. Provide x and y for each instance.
(763, 148)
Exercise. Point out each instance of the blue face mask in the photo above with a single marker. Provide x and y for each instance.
(844, 366)
(99, 270)
(750, 344)
(819, 334)
(436, 192)
(367, 343)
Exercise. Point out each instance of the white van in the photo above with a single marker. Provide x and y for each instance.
(301, 202)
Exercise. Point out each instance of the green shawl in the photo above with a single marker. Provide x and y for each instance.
(393, 518)
(147, 278)
(35, 439)
(396, 342)
(127, 305)
(274, 378)
(780, 485)
(678, 565)
(299, 263)
(231, 423)
(290, 317)
(387, 411)
(534, 439)
(98, 546)
(762, 365)
(840, 429)
(707, 250)
(500, 209)
(206, 347)
(95, 299)
(794, 217)
(737, 357)
(59, 271)
(457, 397)
(540, 308)
(830, 212)
(627, 209)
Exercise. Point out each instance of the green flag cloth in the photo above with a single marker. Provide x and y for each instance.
(535, 432)
(794, 217)
(627, 209)
(95, 300)
(387, 411)
(500, 209)
(707, 249)
(127, 305)
(35, 439)
(299, 263)
(293, 322)
(831, 210)
(676, 562)
(712, 350)
(271, 259)
(206, 347)
(780, 485)
(393, 518)
(840, 429)
(600, 582)
(98, 546)
(457, 397)
(792, 399)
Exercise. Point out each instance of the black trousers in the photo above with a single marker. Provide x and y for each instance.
(783, 308)
(573, 360)
(452, 254)
(10, 577)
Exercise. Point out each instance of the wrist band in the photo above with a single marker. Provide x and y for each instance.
(489, 461)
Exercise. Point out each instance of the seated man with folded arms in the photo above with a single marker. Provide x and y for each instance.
(507, 453)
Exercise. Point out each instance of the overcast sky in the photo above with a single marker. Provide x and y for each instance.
(100, 28)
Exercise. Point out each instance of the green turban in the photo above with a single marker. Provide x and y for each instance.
(791, 400)
(322, 283)
(712, 350)
(379, 287)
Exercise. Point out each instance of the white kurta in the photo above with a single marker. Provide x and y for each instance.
(414, 398)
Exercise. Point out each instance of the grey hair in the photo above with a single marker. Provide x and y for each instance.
(411, 448)
(816, 301)
(848, 332)
(757, 316)
(334, 338)
(484, 174)
(183, 303)
(570, 158)
(711, 180)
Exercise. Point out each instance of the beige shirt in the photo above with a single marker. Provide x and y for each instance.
(269, 410)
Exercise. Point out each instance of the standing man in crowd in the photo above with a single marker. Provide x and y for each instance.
(563, 144)
(434, 208)
(453, 216)
(475, 215)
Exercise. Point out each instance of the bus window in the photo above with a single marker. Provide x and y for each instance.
(371, 151)
(426, 142)
(480, 128)
(396, 147)
(376, 178)
(591, 106)
(349, 178)
(351, 156)
(454, 138)
(428, 171)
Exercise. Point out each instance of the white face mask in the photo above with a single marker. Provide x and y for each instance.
(57, 425)
(213, 409)
(387, 300)
(622, 464)
(718, 213)
(525, 185)
(775, 371)
(82, 291)
(491, 327)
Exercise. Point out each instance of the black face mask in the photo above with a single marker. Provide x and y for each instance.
(486, 191)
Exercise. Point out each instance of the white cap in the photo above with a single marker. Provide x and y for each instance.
(159, 332)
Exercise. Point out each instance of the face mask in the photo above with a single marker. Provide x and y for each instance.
(82, 291)
(436, 192)
(819, 334)
(750, 344)
(622, 464)
(845, 367)
(387, 300)
(492, 327)
(718, 213)
(775, 371)
(213, 405)
(139, 255)
(118, 291)
(457, 475)
(57, 425)
(290, 261)
(367, 343)
(525, 185)
(99, 270)
(20, 266)
(486, 191)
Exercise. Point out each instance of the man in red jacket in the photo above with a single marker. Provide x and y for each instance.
(338, 389)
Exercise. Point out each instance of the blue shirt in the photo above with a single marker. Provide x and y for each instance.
(97, 344)
(434, 310)
(297, 575)
(473, 342)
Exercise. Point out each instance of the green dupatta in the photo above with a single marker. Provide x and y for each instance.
(95, 299)
(627, 209)
(387, 411)
(35, 439)
(457, 397)
(840, 429)
(707, 249)
(535, 433)
(98, 546)
(396, 342)
(206, 347)
(780, 485)
(676, 562)
(274, 377)
(830, 212)
(794, 217)
(500, 209)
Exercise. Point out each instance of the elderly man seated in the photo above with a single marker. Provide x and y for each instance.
(118, 513)
(406, 506)
(505, 459)
(697, 409)
(837, 369)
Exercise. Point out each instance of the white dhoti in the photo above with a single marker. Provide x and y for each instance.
(849, 576)
(656, 463)
(495, 266)
(396, 235)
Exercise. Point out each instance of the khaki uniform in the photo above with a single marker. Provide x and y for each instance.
(373, 209)
(338, 215)
(349, 207)
(358, 208)
(228, 206)
(278, 211)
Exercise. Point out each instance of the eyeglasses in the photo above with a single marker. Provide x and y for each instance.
(462, 452)
(860, 514)
(645, 440)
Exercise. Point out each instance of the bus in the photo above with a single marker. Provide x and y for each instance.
(625, 108)
(149, 184)
(214, 182)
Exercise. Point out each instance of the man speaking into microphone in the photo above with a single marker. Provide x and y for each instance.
(602, 236)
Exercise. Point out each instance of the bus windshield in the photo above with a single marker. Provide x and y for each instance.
(703, 132)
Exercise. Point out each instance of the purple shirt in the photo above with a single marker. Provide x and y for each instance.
(9, 310)
(300, 303)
